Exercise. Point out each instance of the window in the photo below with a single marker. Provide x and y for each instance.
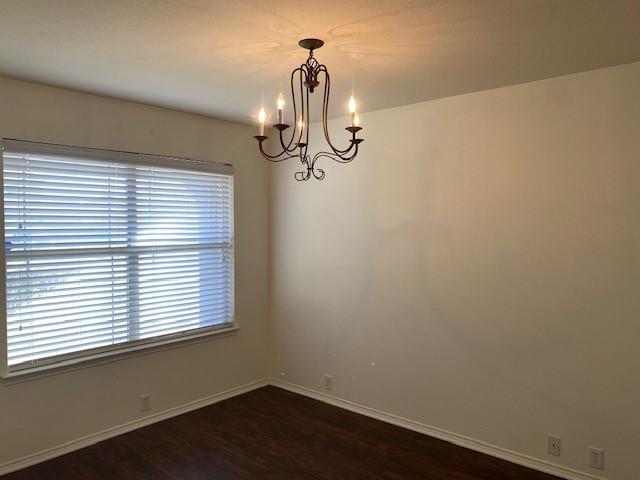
(109, 250)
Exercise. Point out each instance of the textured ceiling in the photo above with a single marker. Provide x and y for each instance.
(223, 58)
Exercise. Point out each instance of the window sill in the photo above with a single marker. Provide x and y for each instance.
(110, 356)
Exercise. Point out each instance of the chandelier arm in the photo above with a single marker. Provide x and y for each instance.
(334, 157)
(303, 76)
(304, 103)
(353, 150)
(290, 146)
(287, 150)
(274, 158)
(303, 90)
(294, 121)
(325, 113)
(306, 126)
(285, 154)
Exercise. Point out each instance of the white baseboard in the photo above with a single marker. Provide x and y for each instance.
(461, 440)
(93, 438)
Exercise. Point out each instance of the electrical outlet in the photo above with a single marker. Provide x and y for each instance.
(328, 383)
(554, 445)
(596, 458)
(145, 402)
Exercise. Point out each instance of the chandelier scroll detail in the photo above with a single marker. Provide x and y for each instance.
(305, 79)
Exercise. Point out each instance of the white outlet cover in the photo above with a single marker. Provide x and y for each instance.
(145, 402)
(328, 382)
(596, 458)
(554, 445)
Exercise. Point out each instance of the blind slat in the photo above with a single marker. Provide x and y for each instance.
(55, 338)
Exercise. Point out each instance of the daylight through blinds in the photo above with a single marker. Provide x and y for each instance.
(103, 252)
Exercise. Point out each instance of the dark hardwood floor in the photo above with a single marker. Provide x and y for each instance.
(274, 434)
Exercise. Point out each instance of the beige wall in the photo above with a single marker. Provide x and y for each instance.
(45, 412)
(477, 267)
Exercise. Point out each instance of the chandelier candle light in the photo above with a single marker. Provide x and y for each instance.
(304, 80)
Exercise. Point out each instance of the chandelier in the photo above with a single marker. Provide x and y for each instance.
(304, 80)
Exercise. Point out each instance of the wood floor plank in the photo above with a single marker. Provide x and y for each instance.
(271, 434)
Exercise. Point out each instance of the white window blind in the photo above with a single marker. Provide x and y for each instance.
(104, 248)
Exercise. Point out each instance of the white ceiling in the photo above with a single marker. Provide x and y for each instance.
(222, 58)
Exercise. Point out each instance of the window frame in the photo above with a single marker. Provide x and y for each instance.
(124, 349)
